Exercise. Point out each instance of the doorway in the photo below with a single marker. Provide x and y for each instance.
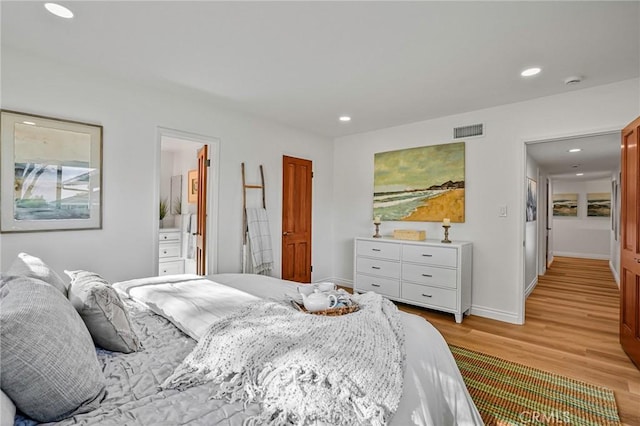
(180, 240)
(574, 173)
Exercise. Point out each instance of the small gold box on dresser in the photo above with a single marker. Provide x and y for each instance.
(409, 234)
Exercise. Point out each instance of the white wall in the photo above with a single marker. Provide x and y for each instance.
(531, 232)
(131, 114)
(494, 175)
(582, 236)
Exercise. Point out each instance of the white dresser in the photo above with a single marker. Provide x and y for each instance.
(424, 273)
(169, 257)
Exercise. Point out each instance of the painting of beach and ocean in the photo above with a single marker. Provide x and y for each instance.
(565, 205)
(599, 204)
(423, 184)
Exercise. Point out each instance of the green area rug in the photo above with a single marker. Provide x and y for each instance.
(507, 393)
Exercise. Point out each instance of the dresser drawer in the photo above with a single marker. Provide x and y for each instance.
(440, 297)
(383, 268)
(171, 268)
(385, 286)
(169, 250)
(429, 275)
(430, 255)
(169, 236)
(380, 250)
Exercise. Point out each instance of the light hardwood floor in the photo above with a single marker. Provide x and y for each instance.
(571, 328)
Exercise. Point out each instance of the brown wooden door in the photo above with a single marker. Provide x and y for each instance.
(201, 237)
(296, 219)
(630, 243)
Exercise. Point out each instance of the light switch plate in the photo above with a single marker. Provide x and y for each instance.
(502, 211)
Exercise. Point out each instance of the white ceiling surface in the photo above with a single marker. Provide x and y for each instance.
(599, 158)
(305, 63)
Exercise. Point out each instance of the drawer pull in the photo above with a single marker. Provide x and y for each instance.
(427, 275)
(375, 267)
(164, 271)
(427, 255)
(375, 249)
(164, 237)
(427, 295)
(164, 252)
(375, 285)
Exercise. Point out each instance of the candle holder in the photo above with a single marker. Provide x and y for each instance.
(446, 234)
(377, 234)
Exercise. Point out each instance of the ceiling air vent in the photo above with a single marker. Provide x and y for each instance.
(473, 130)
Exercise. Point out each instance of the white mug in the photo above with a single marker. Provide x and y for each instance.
(326, 286)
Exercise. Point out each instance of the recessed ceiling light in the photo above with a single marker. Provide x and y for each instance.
(30, 123)
(575, 150)
(530, 71)
(345, 118)
(59, 10)
(579, 174)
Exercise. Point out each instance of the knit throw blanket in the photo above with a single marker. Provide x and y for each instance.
(303, 368)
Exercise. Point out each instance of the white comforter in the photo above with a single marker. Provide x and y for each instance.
(434, 392)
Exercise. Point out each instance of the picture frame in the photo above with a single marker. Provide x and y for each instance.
(192, 187)
(532, 200)
(51, 174)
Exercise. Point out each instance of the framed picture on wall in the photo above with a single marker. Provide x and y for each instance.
(51, 172)
(192, 186)
(599, 204)
(565, 205)
(532, 200)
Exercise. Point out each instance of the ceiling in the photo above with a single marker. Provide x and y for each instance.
(304, 64)
(599, 158)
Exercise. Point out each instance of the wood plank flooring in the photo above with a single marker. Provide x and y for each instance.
(571, 328)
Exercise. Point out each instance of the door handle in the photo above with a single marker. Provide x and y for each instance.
(285, 233)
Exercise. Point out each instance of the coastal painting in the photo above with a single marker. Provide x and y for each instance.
(599, 204)
(565, 205)
(424, 184)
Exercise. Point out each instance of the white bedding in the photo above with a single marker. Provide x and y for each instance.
(434, 392)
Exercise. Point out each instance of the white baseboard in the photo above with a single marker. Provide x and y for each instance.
(530, 287)
(582, 255)
(616, 276)
(496, 314)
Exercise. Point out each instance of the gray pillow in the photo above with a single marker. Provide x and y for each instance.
(102, 311)
(49, 365)
(31, 266)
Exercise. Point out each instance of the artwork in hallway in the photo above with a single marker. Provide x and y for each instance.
(599, 204)
(423, 184)
(565, 205)
(532, 200)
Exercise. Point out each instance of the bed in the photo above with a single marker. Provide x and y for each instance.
(433, 392)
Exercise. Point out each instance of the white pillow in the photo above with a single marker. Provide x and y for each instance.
(31, 266)
(7, 410)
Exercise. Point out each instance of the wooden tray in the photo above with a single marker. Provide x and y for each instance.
(343, 310)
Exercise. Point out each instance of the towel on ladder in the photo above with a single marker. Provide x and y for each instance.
(190, 227)
(259, 241)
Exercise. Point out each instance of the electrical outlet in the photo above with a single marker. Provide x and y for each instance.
(502, 211)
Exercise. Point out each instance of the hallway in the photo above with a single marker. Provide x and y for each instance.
(572, 321)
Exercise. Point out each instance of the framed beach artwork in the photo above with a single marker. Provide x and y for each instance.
(51, 174)
(532, 200)
(423, 184)
(599, 204)
(565, 205)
